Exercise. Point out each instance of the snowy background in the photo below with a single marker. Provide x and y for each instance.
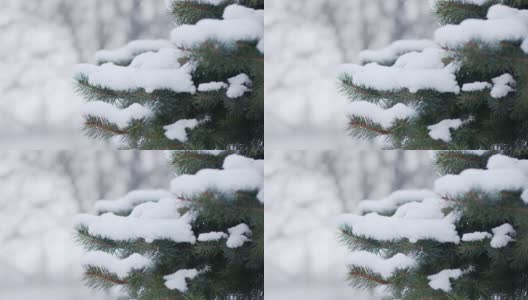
(42, 41)
(42, 192)
(305, 192)
(305, 42)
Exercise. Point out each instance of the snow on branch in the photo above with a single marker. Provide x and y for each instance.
(115, 115)
(379, 115)
(128, 52)
(239, 23)
(395, 200)
(121, 267)
(128, 202)
(392, 52)
(385, 267)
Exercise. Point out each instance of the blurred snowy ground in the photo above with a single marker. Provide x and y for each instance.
(305, 192)
(42, 42)
(41, 193)
(306, 41)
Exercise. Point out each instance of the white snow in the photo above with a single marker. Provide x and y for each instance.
(238, 86)
(392, 52)
(502, 235)
(475, 236)
(165, 208)
(430, 208)
(377, 114)
(120, 78)
(177, 281)
(385, 267)
(211, 236)
(441, 131)
(392, 202)
(128, 228)
(165, 58)
(493, 181)
(238, 235)
(177, 131)
(119, 117)
(121, 267)
(440, 281)
(211, 86)
(128, 52)
(503, 24)
(239, 24)
(502, 86)
(239, 173)
(475, 86)
(389, 228)
(429, 58)
(127, 203)
(500, 161)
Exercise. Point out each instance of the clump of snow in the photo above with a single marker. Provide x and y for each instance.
(119, 117)
(389, 228)
(392, 202)
(441, 281)
(178, 130)
(178, 280)
(430, 208)
(503, 24)
(385, 267)
(238, 86)
(239, 24)
(128, 52)
(502, 86)
(166, 58)
(238, 235)
(165, 208)
(211, 236)
(121, 267)
(442, 130)
(128, 228)
(475, 236)
(502, 235)
(128, 202)
(413, 71)
(239, 174)
(211, 86)
(500, 162)
(475, 86)
(260, 196)
(392, 52)
(384, 117)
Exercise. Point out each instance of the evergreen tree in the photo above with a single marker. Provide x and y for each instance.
(203, 240)
(465, 239)
(203, 89)
(466, 89)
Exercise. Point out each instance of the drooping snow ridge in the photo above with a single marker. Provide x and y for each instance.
(238, 235)
(120, 78)
(389, 228)
(385, 267)
(128, 202)
(503, 24)
(430, 208)
(502, 235)
(384, 78)
(165, 58)
(384, 117)
(121, 267)
(239, 24)
(211, 236)
(429, 58)
(238, 86)
(476, 86)
(212, 86)
(501, 162)
(178, 280)
(491, 181)
(502, 86)
(165, 208)
(475, 236)
(128, 228)
(441, 281)
(239, 174)
(393, 51)
(128, 52)
(442, 130)
(392, 202)
(115, 115)
(178, 130)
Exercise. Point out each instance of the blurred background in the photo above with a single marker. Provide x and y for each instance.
(42, 41)
(305, 42)
(305, 193)
(41, 193)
